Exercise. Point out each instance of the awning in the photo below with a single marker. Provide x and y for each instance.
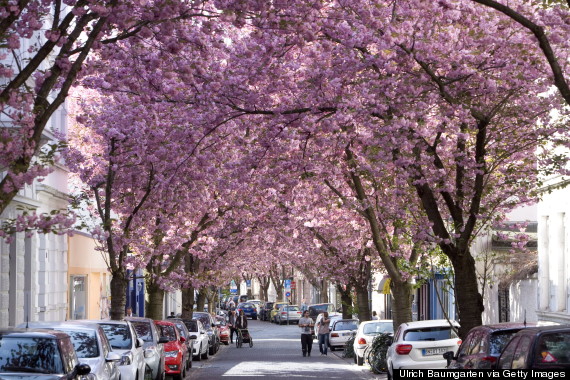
(384, 285)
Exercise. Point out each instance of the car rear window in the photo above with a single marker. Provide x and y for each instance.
(143, 330)
(292, 308)
(119, 335)
(345, 325)
(553, 349)
(429, 334)
(378, 328)
(246, 305)
(499, 339)
(30, 355)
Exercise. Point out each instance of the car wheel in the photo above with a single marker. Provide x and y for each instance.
(391, 369)
(255, 317)
(359, 360)
(212, 350)
(354, 358)
(205, 355)
(189, 361)
(199, 356)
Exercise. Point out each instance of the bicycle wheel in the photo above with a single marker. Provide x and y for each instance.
(375, 361)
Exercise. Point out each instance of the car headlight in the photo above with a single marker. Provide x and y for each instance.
(126, 359)
(171, 354)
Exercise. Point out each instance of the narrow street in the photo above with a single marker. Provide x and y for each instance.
(276, 354)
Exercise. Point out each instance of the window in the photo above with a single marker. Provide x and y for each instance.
(119, 336)
(78, 297)
(553, 349)
(429, 334)
(377, 328)
(499, 339)
(507, 356)
(30, 355)
(85, 343)
(143, 331)
(519, 358)
(346, 325)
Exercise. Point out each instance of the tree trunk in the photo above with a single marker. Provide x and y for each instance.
(469, 300)
(264, 283)
(402, 293)
(188, 302)
(362, 302)
(346, 300)
(324, 291)
(119, 285)
(201, 300)
(155, 301)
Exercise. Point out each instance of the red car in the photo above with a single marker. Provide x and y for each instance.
(224, 330)
(176, 354)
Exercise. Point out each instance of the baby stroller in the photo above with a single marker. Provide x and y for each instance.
(243, 337)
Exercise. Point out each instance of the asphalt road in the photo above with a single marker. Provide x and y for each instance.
(276, 354)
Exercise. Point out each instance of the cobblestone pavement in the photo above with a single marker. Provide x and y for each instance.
(276, 354)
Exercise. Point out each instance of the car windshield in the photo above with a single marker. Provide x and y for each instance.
(33, 355)
(143, 330)
(84, 342)
(378, 328)
(192, 326)
(329, 307)
(291, 308)
(553, 349)
(498, 340)
(429, 334)
(182, 329)
(119, 335)
(204, 318)
(167, 331)
(345, 325)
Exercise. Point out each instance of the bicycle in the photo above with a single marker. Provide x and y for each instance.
(375, 353)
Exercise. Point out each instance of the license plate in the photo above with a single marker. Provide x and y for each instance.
(434, 351)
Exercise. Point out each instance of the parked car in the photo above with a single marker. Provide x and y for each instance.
(290, 313)
(183, 331)
(224, 329)
(175, 350)
(483, 345)
(212, 330)
(248, 309)
(275, 309)
(91, 346)
(421, 344)
(153, 345)
(39, 355)
(318, 308)
(543, 348)
(257, 304)
(366, 333)
(265, 311)
(200, 337)
(341, 331)
(124, 341)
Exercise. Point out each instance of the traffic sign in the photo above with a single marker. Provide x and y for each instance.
(248, 283)
(288, 294)
(293, 285)
(287, 283)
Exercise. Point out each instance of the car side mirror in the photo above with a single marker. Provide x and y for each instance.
(193, 336)
(113, 357)
(139, 343)
(82, 369)
(163, 339)
(182, 339)
(449, 357)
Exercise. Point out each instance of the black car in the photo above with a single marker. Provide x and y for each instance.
(265, 311)
(45, 354)
(483, 345)
(212, 329)
(544, 348)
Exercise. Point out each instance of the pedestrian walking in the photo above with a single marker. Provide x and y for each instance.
(306, 324)
(323, 331)
(241, 321)
(232, 318)
(129, 312)
(374, 316)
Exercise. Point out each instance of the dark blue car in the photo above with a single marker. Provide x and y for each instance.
(248, 309)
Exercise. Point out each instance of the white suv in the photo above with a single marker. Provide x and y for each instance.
(421, 345)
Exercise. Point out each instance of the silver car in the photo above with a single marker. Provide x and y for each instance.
(91, 346)
(124, 341)
(153, 348)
